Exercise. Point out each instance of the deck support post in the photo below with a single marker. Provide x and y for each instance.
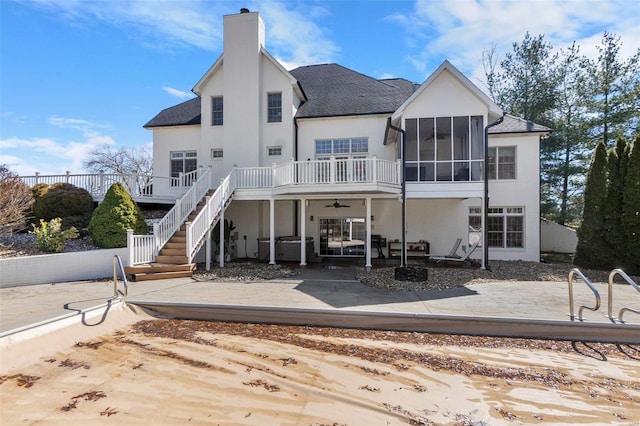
(303, 232)
(272, 232)
(367, 247)
(221, 245)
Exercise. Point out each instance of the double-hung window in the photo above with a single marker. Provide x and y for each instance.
(217, 111)
(274, 107)
(183, 162)
(502, 162)
(505, 226)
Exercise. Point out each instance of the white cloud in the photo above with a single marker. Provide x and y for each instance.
(49, 156)
(178, 93)
(460, 30)
(293, 34)
(294, 38)
(160, 22)
(74, 123)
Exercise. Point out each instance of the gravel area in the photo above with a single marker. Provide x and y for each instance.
(380, 276)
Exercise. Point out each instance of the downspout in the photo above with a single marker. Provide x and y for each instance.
(295, 158)
(485, 229)
(403, 255)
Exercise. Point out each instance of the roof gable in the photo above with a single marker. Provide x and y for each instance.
(493, 109)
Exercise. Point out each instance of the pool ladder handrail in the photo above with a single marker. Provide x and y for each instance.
(576, 271)
(117, 265)
(628, 279)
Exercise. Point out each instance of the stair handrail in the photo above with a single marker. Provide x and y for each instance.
(171, 222)
(629, 280)
(117, 266)
(576, 271)
(206, 218)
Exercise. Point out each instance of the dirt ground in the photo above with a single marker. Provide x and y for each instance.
(193, 372)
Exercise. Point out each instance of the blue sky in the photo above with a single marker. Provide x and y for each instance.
(80, 74)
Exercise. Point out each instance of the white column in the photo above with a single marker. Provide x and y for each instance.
(483, 264)
(272, 232)
(368, 243)
(303, 232)
(221, 248)
(208, 252)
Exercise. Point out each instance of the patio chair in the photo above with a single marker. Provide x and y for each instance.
(461, 260)
(452, 253)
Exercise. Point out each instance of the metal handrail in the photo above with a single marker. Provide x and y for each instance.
(576, 271)
(117, 264)
(628, 279)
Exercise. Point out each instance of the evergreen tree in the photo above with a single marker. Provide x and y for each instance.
(114, 216)
(592, 250)
(612, 209)
(631, 210)
(564, 155)
(614, 91)
(529, 90)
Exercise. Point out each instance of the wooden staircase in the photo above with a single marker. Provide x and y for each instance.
(172, 260)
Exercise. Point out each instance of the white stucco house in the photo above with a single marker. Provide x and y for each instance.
(312, 152)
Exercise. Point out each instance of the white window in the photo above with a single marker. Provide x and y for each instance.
(505, 226)
(216, 153)
(342, 148)
(183, 162)
(274, 151)
(502, 162)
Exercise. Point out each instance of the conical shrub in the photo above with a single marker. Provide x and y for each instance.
(111, 219)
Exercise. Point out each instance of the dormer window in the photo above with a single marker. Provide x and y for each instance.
(274, 107)
(217, 110)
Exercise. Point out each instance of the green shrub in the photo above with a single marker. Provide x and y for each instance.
(74, 205)
(51, 237)
(111, 219)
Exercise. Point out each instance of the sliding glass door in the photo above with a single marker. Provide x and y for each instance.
(342, 237)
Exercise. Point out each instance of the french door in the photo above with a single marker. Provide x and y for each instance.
(342, 237)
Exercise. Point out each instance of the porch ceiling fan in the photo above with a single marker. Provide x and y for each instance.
(337, 205)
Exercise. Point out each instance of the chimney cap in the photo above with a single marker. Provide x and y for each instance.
(244, 10)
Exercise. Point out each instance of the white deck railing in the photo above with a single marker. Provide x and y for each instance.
(314, 172)
(143, 249)
(208, 216)
(139, 186)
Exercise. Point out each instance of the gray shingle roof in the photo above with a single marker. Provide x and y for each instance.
(333, 90)
(179, 115)
(512, 124)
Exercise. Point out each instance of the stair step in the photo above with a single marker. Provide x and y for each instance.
(181, 232)
(176, 260)
(172, 252)
(176, 245)
(148, 268)
(161, 275)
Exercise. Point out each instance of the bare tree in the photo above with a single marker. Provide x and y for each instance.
(135, 161)
(15, 200)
